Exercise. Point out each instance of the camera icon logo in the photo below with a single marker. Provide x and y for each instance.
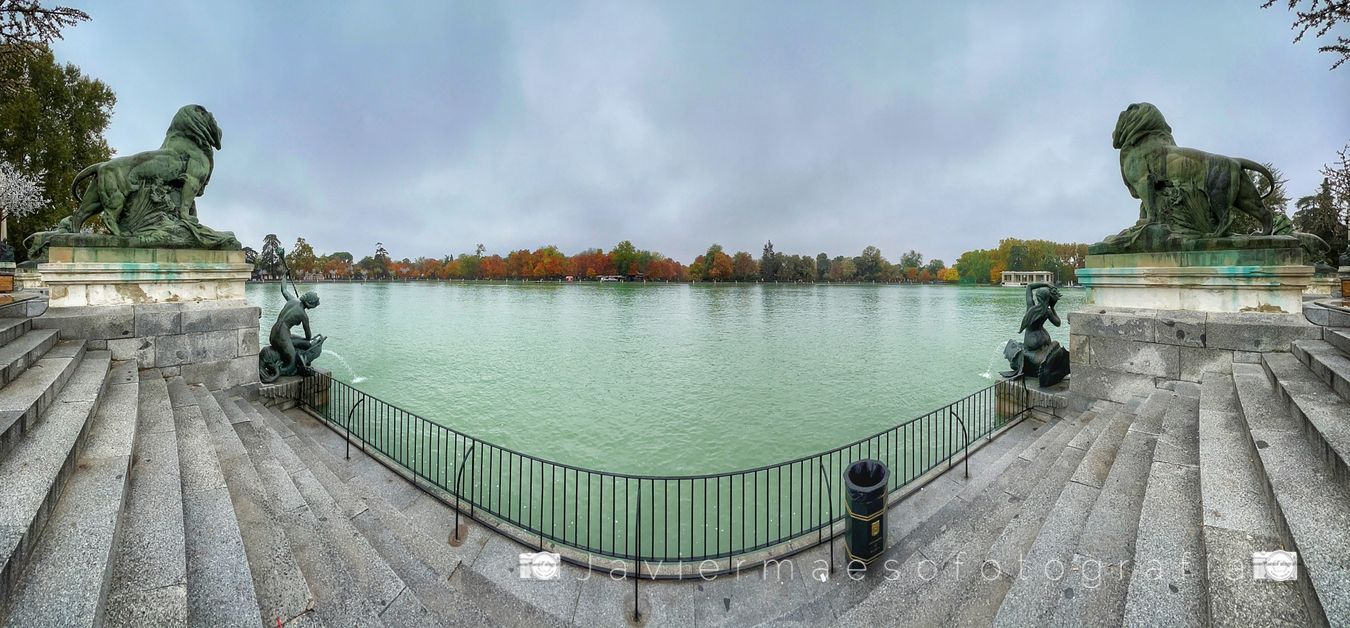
(1276, 566)
(540, 565)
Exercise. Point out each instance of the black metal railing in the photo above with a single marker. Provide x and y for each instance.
(653, 518)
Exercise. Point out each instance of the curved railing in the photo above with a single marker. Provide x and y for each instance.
(653, 518)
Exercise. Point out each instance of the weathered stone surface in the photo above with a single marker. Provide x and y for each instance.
(248, 342)
(90, 322)
(1098, 383)
(195, 348)
(1142, 358)
(214, 316)
(139, 350)
(1180, 327)
(158, 319)
(1168, 585)
(1121, 323)
(222, 374)
(17, 355)
(1256, 331)
(1196, 362)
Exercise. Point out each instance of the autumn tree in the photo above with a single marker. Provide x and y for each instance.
(744, 267)
(301, 259)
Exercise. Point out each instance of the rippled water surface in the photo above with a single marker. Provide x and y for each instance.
(656, 378)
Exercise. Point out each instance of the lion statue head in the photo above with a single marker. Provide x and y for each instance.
(195, 123)
(1138, 122)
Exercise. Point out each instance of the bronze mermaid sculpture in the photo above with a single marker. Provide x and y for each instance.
(1038, 355)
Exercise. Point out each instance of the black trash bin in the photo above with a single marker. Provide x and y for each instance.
(865, 484)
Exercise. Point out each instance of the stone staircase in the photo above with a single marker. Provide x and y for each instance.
(133, 502)
(1148, 513)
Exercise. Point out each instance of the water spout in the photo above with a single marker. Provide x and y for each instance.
(355, 379)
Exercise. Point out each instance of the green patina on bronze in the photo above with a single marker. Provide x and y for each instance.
(1188, 198)
(149, 199)
(1038, 355)
(285, 353)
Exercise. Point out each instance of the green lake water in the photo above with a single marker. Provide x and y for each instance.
(664, 379)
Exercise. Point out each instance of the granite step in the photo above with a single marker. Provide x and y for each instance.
(948, 553)
(1167, 579)
(278, 582)
(341, 597)
(1327, 362)
(1034, 593)
(219, 582)
(35, 472)
(979, 602)
(1238, 516)
(149, 579)
(1098, 579)
(68, 575)
(1313, 505)
(374, 576)
(12, 328)
(1313, 402)
(15, 356)
(1338, 337)
(24, 399)
(424, 563)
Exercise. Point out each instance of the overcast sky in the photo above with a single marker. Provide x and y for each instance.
(824, 127)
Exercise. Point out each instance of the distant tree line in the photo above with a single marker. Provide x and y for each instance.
(987, 265)
(623, 260)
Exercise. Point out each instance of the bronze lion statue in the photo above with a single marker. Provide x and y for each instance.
(150, 197)
(1185, 193)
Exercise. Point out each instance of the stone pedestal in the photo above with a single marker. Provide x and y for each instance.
(1344, 288)
(1118, 353)
(1268, 279)
(93, 276)
(172, 311)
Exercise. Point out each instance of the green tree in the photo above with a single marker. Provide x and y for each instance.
(911, 259)
(769, 263)
(625, 258)
(870, 264)
(268, 263)
(53, 118)
(822, 266)
(935, 266)
(1320, 215)
(974, 266)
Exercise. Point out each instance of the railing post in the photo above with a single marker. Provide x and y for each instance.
(965, 451)
(458, 479)
(830, 503)
(348, 427)
(637, 555)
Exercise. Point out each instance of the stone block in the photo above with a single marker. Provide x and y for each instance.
(159, 319)
(248, 342)
(1094, 382)
(1256, 331)
(1180, 327)
(1079, 352)
(222, 374)
(1246, 357)
(225, 315)
(89, 323)
(1121, 323)
(142, 350)
(1142, 358)
(1195, 362)
(197, 347)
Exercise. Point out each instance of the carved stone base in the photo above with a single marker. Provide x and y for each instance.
(1262, 280)
(84, 276)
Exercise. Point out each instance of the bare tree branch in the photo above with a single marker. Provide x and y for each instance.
(1319, 18)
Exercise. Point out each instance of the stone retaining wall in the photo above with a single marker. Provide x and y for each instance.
(214, 343)
(1117, 353)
